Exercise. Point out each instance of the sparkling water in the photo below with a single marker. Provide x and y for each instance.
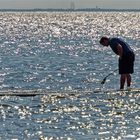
(61, 51)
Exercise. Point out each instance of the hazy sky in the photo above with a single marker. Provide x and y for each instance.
(130, 4)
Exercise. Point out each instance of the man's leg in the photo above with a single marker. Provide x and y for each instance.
(128, 76)
(122, 81)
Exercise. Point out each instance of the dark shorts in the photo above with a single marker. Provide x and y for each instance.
(126, 64)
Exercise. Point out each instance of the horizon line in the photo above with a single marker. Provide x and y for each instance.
(69, 9)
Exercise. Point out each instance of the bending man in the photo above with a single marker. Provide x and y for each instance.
(126, 58)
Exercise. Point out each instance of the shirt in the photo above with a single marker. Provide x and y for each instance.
(114, 42)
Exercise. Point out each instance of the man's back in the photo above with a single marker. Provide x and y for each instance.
(114, 42)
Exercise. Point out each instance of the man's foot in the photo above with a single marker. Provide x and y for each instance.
(129, 88)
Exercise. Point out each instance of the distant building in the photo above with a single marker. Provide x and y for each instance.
(72, 6)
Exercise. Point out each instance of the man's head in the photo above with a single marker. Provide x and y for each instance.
(104, 41)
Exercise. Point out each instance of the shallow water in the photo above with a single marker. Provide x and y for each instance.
(60, 51)
(112, 115)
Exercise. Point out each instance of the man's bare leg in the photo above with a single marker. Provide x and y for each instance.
(122, 81)
(128, 76)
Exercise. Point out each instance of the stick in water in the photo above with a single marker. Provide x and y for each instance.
(104, 80)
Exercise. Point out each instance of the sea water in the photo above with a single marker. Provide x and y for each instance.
(60, 51)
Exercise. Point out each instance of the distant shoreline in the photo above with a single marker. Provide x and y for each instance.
(70, 10)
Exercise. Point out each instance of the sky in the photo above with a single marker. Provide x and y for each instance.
(31, 4)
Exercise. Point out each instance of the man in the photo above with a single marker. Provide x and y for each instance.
(126, 58)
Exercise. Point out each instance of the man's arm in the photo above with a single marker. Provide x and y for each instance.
(120, 50)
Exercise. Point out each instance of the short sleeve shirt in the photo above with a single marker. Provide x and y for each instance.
(114, 42)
